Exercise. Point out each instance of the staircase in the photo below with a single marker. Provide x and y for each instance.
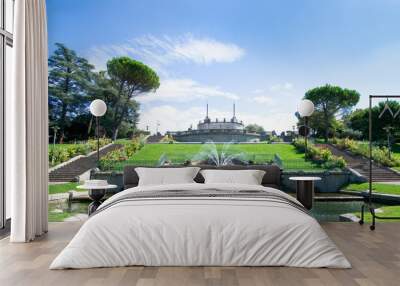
(71, 171)
(361, 165)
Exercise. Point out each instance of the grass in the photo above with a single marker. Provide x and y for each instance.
(62, 188)
(150, 154)
(59, 210)
(58, 217)
(388, 211)
(376, 187)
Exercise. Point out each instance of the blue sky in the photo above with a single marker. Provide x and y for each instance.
(263, 55)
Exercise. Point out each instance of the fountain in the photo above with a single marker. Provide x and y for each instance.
(163, 161)
(210, 155)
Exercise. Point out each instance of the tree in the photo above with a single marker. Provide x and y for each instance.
(359, 120)
(69, 81)
(329, 101)
(254, 128)
(129, 78)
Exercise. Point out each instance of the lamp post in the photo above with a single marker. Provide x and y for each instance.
(98, 108)
(305, 109)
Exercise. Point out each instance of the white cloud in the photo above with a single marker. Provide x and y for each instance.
(258, 91)
(170, 118)
(267, 96)
(173, 119)
(181, 90)
(160, 51)
(287, 86)
(206, 51)
(263, 99)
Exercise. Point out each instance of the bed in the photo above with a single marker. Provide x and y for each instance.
(197, 224)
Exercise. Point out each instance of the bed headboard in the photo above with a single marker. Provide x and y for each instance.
(272, 177)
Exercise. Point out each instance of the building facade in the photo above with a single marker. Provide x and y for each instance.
(217, 131)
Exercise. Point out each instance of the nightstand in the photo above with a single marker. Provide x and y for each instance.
(96, 193)
(305, 190)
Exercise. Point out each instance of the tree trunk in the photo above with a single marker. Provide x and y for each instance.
(115, 133)
(62, 137)
(326, 119)
(62, 122)
(90, 126)
(326, 135)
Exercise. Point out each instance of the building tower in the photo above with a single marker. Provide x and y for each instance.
(234, 119)
(207, 119)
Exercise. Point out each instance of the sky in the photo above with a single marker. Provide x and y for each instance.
(261, 55)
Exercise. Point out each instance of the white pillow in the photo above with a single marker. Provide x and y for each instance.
(166, 176)
(248, 177)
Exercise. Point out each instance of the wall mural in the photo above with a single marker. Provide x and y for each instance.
(184, 89)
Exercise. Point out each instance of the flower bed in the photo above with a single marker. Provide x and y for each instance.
(320, 156)
(114, 158)
(379, 154)
(60, 153)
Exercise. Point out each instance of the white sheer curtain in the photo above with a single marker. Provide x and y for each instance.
(28, 124)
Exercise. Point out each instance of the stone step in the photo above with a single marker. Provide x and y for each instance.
(361, 165)
(69, 172)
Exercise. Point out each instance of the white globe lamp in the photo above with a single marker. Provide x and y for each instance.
(98, 107)
(306, 108)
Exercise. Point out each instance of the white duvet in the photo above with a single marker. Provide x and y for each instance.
(200, 231)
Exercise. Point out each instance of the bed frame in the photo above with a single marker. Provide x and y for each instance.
(368, 201)
(272, 177)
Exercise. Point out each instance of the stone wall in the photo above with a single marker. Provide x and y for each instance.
(331, 181)
(215, 137)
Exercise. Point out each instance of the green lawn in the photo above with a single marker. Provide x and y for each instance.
(60, 210)
(376, 187)
(150, 154)
(62, 188)
(388, 211)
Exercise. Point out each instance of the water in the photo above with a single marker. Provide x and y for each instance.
(60, 209)
(329, 211)
(209, 154)
(322, 211)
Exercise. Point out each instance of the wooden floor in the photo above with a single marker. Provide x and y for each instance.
(375, 257)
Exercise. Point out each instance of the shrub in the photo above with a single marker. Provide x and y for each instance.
(274, 138)
(93, 143)
(108, 161)
(320, 156)
(379, 154)
(167, 139)
(63, 152)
